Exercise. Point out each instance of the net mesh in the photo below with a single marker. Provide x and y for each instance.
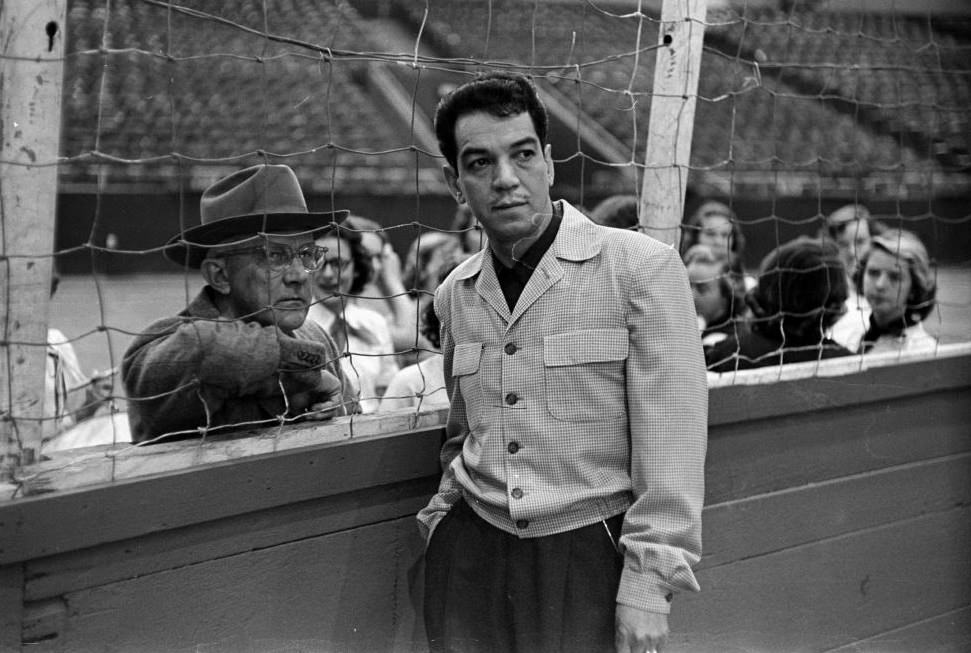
(802, 107)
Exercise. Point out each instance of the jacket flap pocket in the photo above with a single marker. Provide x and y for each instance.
(586, 346)
(466, 358)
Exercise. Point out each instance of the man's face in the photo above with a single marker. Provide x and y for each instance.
(270, 297)
(505, 174)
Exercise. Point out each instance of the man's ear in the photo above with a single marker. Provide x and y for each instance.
(452, 181)
(216, 275)
(548, 155)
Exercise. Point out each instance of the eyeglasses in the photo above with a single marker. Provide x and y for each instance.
(280, 257)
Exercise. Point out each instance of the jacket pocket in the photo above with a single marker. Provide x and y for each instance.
(465, 370)
(585, 374)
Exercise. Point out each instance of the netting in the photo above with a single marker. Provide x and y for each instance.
(802, 108)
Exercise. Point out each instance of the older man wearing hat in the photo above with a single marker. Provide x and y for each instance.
(240, 354)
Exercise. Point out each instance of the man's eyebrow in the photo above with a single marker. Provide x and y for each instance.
(472, 151)
(526, 140)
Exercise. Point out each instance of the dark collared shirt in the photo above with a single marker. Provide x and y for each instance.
(513, 280)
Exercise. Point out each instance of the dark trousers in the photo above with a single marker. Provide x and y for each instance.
(488, 591)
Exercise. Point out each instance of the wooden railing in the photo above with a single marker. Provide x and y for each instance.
(837, 514)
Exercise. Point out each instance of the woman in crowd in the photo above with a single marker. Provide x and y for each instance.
(77, 409)
(717, 301)
(421, 385)
(714, 224)
(361, 334)
(800, 293)
(385, 292)
(896, 279)
(851, 227)
(429, 252)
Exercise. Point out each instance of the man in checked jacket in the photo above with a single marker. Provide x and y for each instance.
(569, 509)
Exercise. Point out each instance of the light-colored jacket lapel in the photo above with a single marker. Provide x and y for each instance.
(577, 240)
(480, 266)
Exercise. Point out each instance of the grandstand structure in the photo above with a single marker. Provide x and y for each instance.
(819, 102)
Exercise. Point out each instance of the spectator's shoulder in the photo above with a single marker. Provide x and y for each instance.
(157, 329)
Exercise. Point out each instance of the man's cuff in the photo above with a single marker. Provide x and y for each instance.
(437, 508)
(643, 591)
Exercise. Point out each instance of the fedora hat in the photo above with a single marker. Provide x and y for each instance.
(257, 200)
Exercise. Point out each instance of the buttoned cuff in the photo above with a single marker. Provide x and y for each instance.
(643, 591)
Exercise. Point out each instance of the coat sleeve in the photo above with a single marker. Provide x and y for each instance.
(667, 398)
(179, 373)
(313, 332)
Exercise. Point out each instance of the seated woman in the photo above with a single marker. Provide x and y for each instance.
(717, 302)
(428, 254)
(851, 227)
(77, 409)
(800, 293)
(385, 292)
(361, 334)
(714, 224)
(421, 385)
(897, 282)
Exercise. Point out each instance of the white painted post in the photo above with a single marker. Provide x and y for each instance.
(32, 39)
(668, 154)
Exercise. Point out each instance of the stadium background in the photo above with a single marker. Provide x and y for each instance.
(802, 107)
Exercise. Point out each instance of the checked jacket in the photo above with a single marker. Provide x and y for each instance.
(588, 400)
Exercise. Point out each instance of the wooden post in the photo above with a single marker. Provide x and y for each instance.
(31, 72)
(667, 159)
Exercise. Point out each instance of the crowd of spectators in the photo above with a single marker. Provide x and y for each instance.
(855, 287)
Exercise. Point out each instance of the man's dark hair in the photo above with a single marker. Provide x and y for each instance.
(499, 94)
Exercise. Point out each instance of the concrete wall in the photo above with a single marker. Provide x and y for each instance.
(837, 516)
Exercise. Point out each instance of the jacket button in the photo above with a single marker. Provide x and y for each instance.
(522, 523)
(517, 493)
(510, 348)
(511, 398)
(513, 447)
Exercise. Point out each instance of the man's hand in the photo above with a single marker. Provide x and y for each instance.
(327, 399)
(322, 411)
(389, 272)
(639, 631)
